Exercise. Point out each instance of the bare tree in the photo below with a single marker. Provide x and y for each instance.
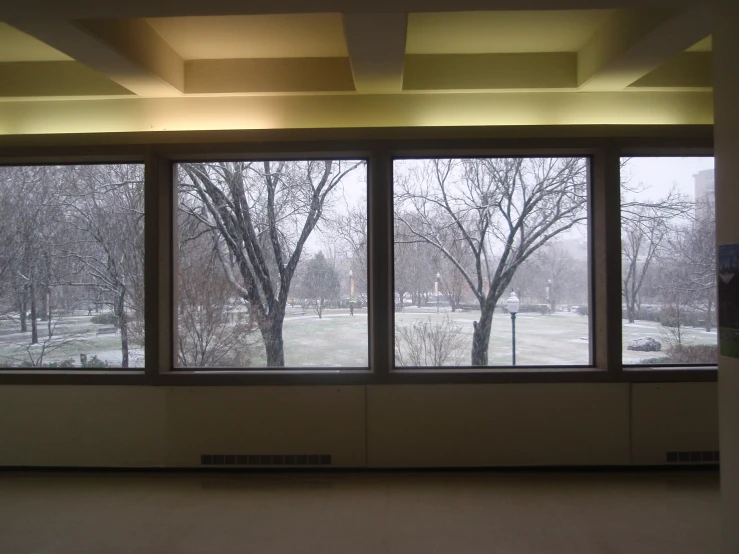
(28, 265)
(692, 247)
(645, 225)
(211, 328)
(104, 212)
(504, 208)
(320, 283)
(261, 215)
(350, 228)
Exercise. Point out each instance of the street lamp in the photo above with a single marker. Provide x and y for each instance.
(513, 304)
(436, 286)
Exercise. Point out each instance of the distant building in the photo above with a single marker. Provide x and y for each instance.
(705, 199)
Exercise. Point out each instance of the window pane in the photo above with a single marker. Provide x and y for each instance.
(72, 266)
(272, 264)
(472, 235)
(668, 258)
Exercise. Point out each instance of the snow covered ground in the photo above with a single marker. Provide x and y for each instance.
(339, 340)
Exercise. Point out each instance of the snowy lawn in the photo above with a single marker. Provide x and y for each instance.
(339, 340)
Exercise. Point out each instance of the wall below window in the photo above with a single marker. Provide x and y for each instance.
(373, 426)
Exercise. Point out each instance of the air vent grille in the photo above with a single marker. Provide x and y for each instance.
(693, 457)
(265, 459)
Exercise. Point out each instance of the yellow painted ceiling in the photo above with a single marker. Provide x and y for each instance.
(706, 45)
(16, 46)
(502, 32)
(254, 36)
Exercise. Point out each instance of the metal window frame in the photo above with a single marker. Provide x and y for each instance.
(160, 151)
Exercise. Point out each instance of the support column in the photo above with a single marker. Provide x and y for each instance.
(726, 136)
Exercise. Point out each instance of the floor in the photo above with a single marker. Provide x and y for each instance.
(382, 512)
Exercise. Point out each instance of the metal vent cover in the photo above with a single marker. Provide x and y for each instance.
(290, 460)
(693, 457)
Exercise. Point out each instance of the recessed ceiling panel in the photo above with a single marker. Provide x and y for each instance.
(16, 46)
(502, 32)
(254, 36)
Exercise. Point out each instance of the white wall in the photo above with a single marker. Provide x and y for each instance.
(375, 426)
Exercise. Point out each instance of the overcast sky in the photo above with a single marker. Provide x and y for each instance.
(660, 174)
(657, 175)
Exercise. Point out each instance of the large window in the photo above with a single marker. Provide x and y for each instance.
(272, 264)
(364, 262)
(491, 262)
(668, 257)
(72, 266)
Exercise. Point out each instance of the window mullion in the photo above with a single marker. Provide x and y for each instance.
(158, 267)
(606, 259)
(380, 257)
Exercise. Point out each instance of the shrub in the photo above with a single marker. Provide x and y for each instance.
(427, 343)
(108, 318)
(656, 361)
(94, 362)
(694, 354)
(582, 310)
(531, 308)
(61, 364)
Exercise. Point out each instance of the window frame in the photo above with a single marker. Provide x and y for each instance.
(605, 145)
(588, 157)
(175, 263)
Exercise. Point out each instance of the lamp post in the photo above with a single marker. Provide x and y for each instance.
(436, 287)
(513, 304)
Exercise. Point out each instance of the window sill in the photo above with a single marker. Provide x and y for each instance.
(72, 377)
(360, 377)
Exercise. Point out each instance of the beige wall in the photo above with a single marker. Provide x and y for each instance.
(726, 133)
(375, 426)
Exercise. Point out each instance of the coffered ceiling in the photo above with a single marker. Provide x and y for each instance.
(85, 51)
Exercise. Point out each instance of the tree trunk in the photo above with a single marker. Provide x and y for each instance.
(401, 295)
(123, 325)
(273, 343)
(481, 336)
(23, 310)
(630, 310)
(44, 305)
(34, 326)
(709, 318)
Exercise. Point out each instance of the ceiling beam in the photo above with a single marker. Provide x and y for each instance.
(356, 111)
(688, 71)
(489, 72)
(633, 43)
(268, 75)
(127, 51)
(95, 9)
(376, 46)
(54, 79)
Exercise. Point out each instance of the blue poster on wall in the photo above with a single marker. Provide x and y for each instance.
(728, 299)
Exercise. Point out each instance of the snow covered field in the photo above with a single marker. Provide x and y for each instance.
(339, 340)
